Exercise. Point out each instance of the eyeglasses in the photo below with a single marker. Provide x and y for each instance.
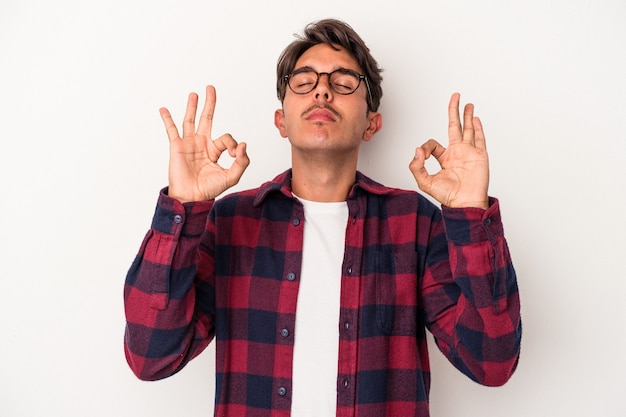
(342, 81)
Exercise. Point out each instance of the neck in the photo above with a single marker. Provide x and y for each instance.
(323, 182)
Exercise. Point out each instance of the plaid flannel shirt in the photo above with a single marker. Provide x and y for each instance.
(229, 270)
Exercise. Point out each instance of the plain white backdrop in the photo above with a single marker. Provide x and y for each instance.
(84, 154)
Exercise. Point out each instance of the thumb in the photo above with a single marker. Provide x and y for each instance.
(418, 169)
(240, 163)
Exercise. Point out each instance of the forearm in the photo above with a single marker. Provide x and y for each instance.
(164, 330)
(477, 323)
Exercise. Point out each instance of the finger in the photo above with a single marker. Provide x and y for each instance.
(206, 118)
(189, 123)
(480, 134)
(468, 125)
(240, 163)
(418, 168)
(170, 126)
(434, 148)
(454, 121)
(224, 142)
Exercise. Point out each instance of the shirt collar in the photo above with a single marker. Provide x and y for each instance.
(282, 184)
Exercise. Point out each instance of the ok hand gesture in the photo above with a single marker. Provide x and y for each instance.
(194, 174)
(464, 176)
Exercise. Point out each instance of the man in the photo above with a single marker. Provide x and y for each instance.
(319, 285)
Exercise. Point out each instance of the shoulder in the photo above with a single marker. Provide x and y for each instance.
(235, 203)
(253, 202)
(396, 199)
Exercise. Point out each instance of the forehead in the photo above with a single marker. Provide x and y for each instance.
(323, 57)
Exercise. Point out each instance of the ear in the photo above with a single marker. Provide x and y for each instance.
(374, 124)
(279, 122)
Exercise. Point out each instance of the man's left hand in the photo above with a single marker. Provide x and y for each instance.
(464, 176)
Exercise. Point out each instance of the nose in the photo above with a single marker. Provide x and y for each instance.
(326, 96)
(323, 87)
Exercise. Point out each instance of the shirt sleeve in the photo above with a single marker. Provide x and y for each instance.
(471, 297)
(164, 330)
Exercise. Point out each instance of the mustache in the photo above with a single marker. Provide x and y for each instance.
(322, 106)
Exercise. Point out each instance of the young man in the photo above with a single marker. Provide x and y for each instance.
(318, 286)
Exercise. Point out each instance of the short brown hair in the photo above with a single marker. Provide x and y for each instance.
(335, 33)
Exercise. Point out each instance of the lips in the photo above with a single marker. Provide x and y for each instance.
(321, 114)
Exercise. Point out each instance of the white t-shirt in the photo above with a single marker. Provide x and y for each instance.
(316, 335)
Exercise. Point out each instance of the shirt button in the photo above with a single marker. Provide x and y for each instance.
(346, 325)
(487, 222)
(282, 391)
(284, 332)
(291, 276)
(178, 218)
(296, 222)
(346, 383)
(349, 270)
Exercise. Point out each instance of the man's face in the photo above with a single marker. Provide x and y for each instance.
(324, 119)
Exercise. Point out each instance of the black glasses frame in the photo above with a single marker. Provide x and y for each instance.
(360, 77)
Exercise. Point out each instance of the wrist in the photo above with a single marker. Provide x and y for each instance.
(482, 204)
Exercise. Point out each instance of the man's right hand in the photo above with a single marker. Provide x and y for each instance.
(194, 174)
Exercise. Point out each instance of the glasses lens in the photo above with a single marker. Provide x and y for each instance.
(302, 82)
(344, 81)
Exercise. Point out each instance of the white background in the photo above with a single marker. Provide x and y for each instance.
(83, 154)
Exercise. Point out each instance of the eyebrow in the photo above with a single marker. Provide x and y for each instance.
(309, 68)
(302, 69)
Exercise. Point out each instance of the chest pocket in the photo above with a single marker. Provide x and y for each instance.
(397, 294)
